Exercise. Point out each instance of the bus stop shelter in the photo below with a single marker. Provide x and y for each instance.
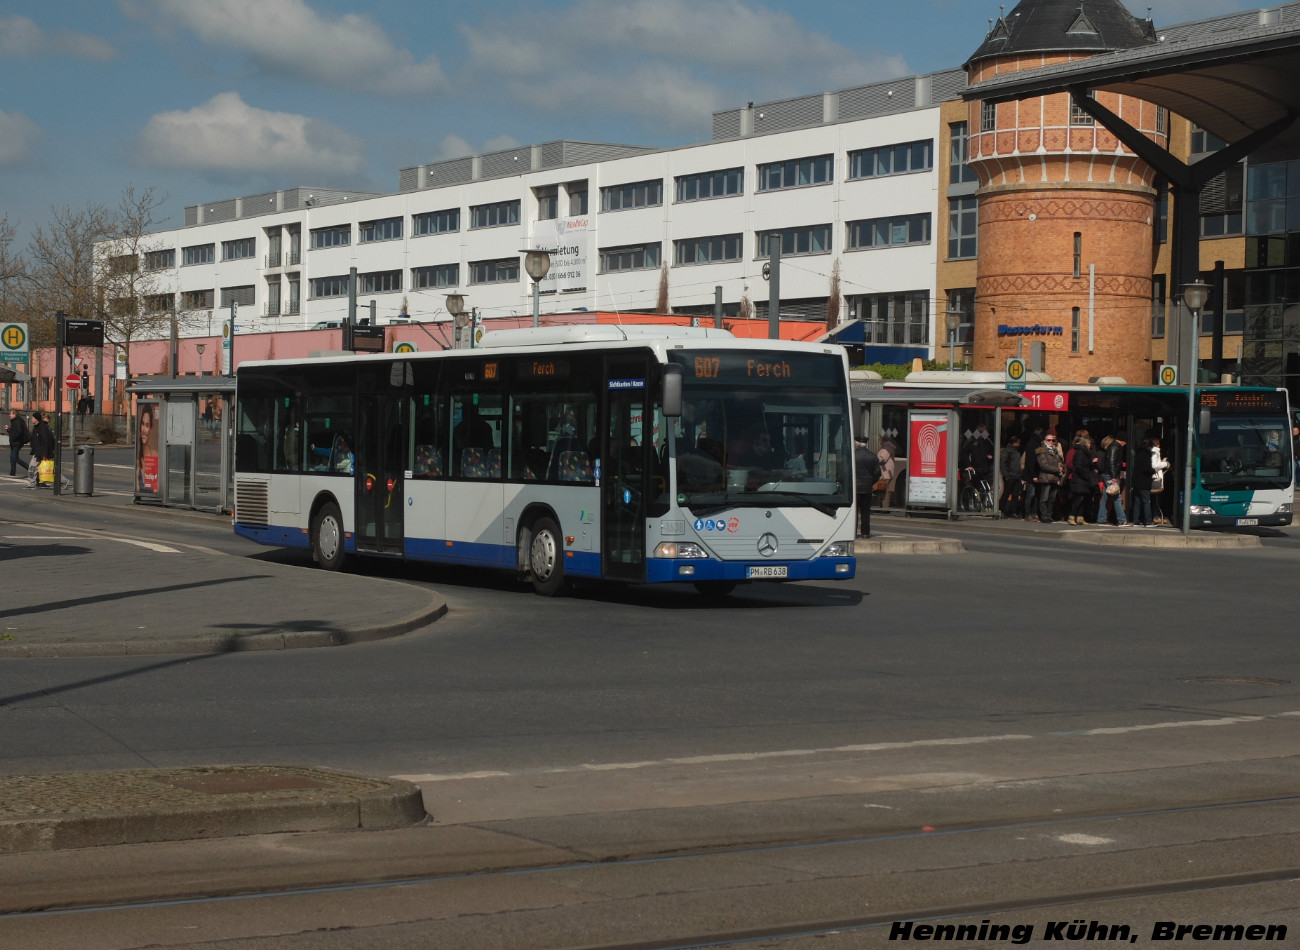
(184, 440)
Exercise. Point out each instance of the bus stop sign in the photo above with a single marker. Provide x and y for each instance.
(1015, 374)
(1168, 375)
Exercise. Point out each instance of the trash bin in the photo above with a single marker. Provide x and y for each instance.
(83, 470)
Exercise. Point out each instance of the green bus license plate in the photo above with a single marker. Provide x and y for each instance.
(768, 570)
(1246, 522)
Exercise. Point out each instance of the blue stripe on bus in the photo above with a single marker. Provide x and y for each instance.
(501, 556)
(276, 535)
(663, 570)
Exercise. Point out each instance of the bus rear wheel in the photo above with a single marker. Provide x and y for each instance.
(327, 537)
(546, 558)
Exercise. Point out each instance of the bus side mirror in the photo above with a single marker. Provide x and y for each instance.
(672, 391)
(1203, 423)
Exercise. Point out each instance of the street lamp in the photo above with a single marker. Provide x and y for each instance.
(200, 347)
(456, 307)
(1195, 295)
(952, 320)
(537, 263)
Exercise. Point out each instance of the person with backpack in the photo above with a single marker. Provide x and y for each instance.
(1012, 478)
(867, 469)
(16, 428)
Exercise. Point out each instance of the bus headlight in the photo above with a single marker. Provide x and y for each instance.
(839, 549)
(1284, 509)
(678, 549)
(1202, 510)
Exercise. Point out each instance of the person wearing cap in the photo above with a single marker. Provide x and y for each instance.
(42, 440)
(867, 471)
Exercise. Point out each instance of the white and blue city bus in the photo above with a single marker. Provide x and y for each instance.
(622, 453)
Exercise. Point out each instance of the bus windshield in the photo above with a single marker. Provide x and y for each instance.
(761, 429)
(1246, 453)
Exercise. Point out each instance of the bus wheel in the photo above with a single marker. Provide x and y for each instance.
(715, 588)
(327, 537)
(546, 558)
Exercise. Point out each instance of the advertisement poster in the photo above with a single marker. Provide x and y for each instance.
(146, 449)
(927, 462)
(569, 242)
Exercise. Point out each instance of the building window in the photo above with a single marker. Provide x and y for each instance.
(636, 257)
(963, 228)
(796, 242)
(440, 275)
(496, 215)
(1221, 225)
(380, 282)
(708, 250)
(494, 272)
(1158, 305)
(890, 232)
(160, 260)
(1203, 141)
(959, 171)
(1074, 330)
(1162, 121)
(340, 236)
(385, 229)
(962, 300)
(330, 286)
(1078, 255)
(273, 296)
(796, 173)
(892, 160)
(198, 254)
(577, 199)
(1162, 217)
(238, 250)
(435, 222)
(196, 300)
(640, 194)
(548, 203)
(245, 296)
(720, 184)
(1077, 115)
(158, 303)
(901, 319)
(988, 116)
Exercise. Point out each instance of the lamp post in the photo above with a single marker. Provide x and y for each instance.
(1194, 297)
(952, 320)
(537, 263)
(455, 307)
(200, 347)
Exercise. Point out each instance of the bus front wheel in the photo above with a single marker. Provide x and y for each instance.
(546, 557)
(327, 537)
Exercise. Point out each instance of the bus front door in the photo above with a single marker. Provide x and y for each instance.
(381, 441)
(624, 470)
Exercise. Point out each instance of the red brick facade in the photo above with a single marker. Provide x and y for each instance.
(1043, 180)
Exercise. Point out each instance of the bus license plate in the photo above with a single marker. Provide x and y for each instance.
(768, 570)
(1246, 522)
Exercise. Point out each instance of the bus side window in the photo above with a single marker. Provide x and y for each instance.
(430, 450)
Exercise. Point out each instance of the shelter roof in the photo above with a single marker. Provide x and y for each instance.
(1231, 75)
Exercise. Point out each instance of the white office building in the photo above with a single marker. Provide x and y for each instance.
(847, 178)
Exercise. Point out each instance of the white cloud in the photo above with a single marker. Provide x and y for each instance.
(289, 38)
(453, 146)
(17, 136)
(672, 60)
(20, 36)
(227, 136)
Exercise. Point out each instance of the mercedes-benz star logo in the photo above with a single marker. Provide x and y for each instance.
(767, 545)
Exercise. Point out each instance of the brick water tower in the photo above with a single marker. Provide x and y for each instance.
(1065, 211)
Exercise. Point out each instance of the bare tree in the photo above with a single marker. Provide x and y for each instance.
(661, 305)
(139, 299)
(746, 308)
(13, 271)
(833, 300)
(62, 260)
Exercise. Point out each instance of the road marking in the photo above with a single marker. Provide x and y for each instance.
(1090, 840)
(866, 747)
(150, 545)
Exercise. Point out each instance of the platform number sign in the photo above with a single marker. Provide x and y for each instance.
(14, 343)
(1168, 375)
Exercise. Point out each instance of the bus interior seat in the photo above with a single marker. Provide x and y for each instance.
(428, 461)
(575, 467)
(480, 463)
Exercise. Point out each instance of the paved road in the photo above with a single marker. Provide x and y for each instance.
(1034, 672)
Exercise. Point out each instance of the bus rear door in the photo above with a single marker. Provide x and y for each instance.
(381, 456)
(624, 469)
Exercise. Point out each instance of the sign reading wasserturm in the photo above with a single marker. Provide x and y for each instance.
(569, 241)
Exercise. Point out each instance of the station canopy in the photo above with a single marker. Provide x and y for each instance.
(1233, 75)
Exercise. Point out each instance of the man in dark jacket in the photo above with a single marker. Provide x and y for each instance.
(1113, 458)
(867, 472)
(42, 447)
(17, 430)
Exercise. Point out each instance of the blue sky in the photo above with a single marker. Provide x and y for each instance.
(211, 99)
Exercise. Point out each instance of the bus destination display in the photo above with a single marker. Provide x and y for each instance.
(1244, 400)
(736, 367)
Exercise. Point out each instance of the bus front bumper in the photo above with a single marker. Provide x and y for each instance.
(667, 570)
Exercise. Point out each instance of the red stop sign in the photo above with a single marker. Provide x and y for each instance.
(72, 381)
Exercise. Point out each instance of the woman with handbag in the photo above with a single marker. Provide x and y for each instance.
(1145, 478)
(42, 442)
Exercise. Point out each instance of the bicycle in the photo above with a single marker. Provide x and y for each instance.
(976, 494)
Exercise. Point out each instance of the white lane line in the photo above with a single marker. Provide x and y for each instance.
(867, 747)
(150, 545)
